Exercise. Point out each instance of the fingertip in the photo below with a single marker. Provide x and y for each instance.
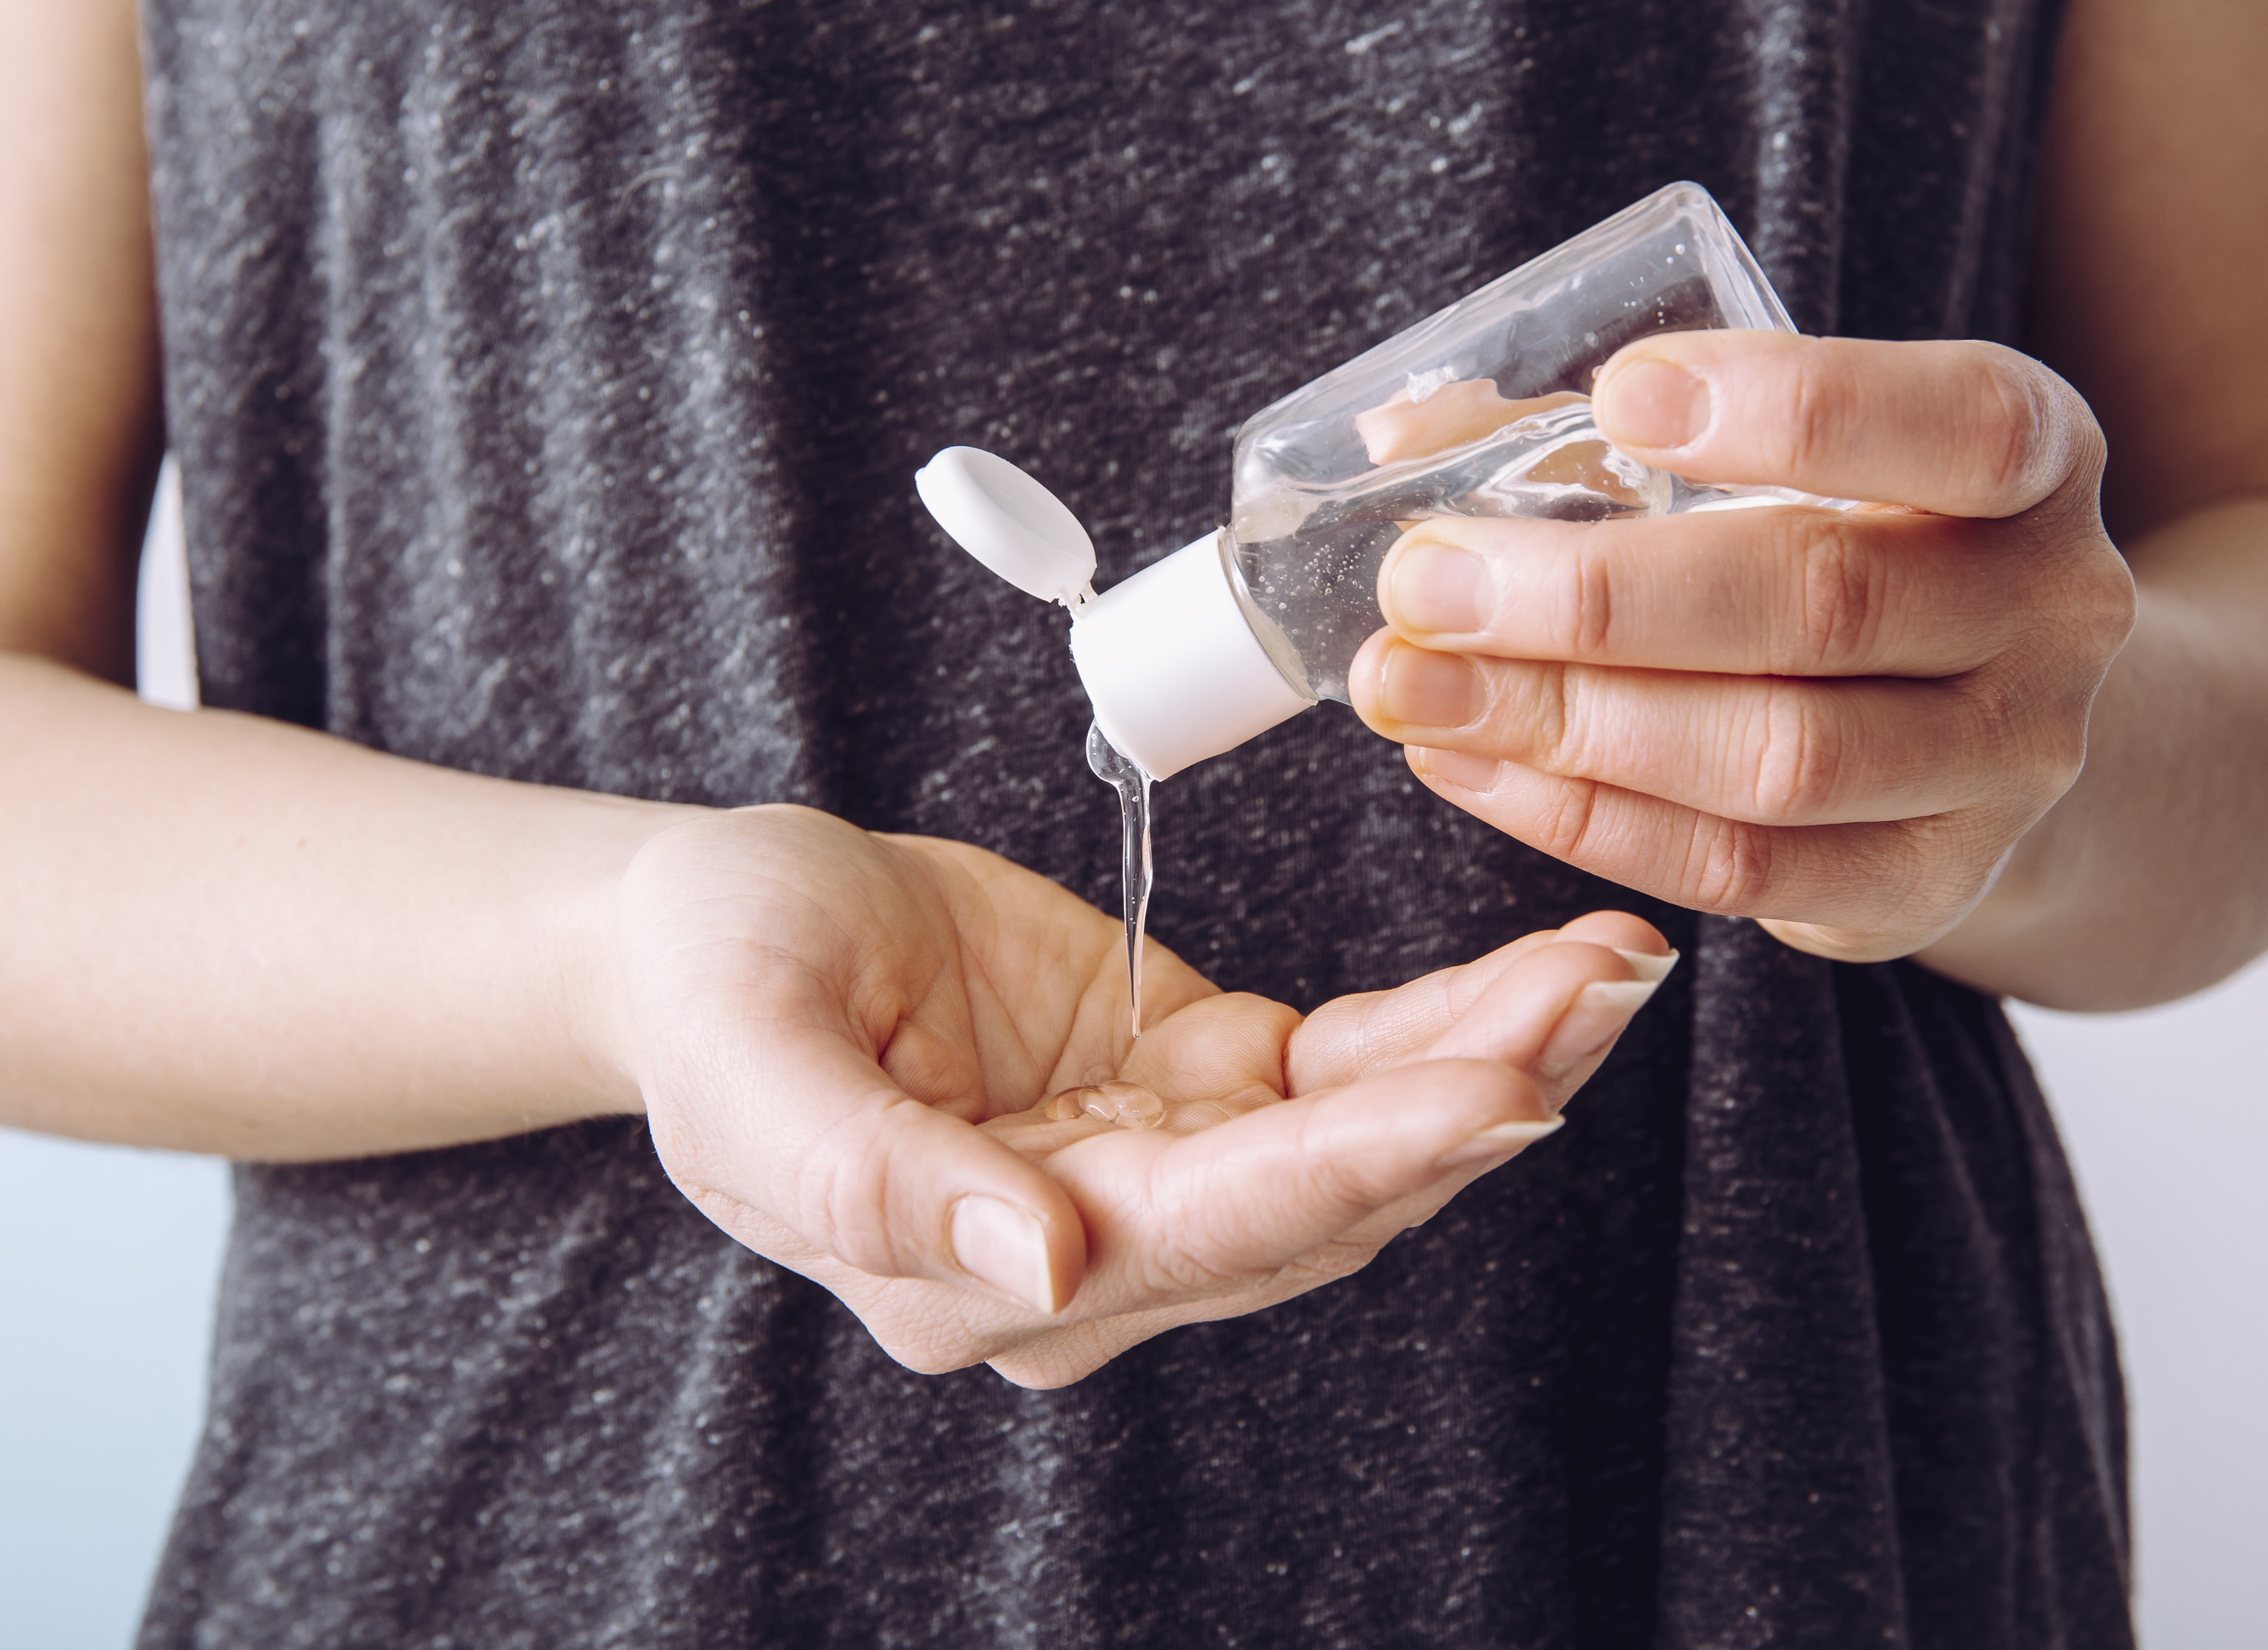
(1646, 400)
(1651, 967)
(2036, 433)
(1034, 1257)
(1064, 1253)
(1619, 931)
(1498, 1144)
(1455, 770)
(1592, 1024)
(1512, 1018)
(1458, 1097)
(1067, 1266)
(1366, 676)
(922, 1194)
(1498, 1112)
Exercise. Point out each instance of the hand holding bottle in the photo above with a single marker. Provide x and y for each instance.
(846, 1044)
(1839, 722)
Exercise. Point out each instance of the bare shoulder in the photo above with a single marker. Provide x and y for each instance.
(2152, 232)
(80, 424)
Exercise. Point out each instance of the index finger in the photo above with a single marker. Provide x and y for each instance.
(1351, 1037)
(1960, 429)
(1176, 1218)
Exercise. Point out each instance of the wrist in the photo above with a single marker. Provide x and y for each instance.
(582, 912)
(2142, 883)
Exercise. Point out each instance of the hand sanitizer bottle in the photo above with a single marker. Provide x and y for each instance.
(1482, 410)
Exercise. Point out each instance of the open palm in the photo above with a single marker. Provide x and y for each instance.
(846, 1043)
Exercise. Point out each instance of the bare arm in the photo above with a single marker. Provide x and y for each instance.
(81, 429)
(2148, 881)
(224, 934)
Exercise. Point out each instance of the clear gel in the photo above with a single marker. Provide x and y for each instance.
(1128, 1105)
(1121, 775)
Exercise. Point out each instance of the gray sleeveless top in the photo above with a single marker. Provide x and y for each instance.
(548, 382)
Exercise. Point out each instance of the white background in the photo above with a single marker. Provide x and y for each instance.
(108, 1260)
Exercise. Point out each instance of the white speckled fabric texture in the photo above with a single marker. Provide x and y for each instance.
(548, 383)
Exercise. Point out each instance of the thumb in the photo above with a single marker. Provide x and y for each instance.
(1963, 429)
(813, 1136)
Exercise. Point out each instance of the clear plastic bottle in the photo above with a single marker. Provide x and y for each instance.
(1481, 409)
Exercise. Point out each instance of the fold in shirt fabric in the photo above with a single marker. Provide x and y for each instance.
(547, 383)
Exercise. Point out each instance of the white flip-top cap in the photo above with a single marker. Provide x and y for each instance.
(1009, 522)
(1171, 666)
(1168, 657)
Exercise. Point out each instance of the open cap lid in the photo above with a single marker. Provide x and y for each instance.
(1009, 522)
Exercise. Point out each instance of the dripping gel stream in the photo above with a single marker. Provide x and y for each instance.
(1122, 775)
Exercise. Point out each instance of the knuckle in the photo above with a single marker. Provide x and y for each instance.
(1841, 592)
(2014, 451)
(1728, 865)
(1557, 724)
(2054, 751)
(1539, 709)
(1563, 824)
(1797, 772)
(842, 1193)
(1586, 609)
(2103, 601)
(2034, 742)
(1818, 402)
(2073, 451)
(1995, 706)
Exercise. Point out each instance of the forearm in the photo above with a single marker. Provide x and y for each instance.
(228, 935)
(2148, 879)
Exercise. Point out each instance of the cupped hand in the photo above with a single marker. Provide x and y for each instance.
(1837, 721)
(847, 1043)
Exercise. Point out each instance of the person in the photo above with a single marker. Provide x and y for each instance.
(544, 385)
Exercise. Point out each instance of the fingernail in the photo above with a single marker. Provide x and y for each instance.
(1456, 768)
(1498, 1141)
(1435, 586)
(1428, 688)
(1000, 1244)
(1593, 1021)
(1646, 965)
(1649, 403)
